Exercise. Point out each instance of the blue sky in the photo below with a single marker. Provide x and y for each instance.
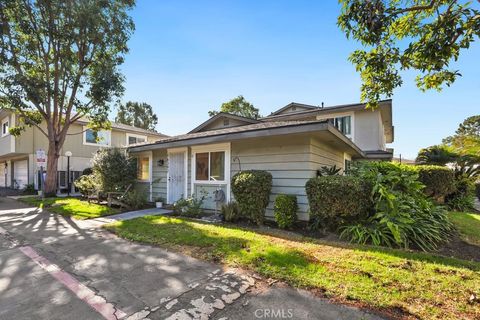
(187, 57)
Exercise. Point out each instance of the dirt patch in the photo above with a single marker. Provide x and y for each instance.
(458, 248)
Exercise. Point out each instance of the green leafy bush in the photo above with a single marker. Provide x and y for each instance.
(87, 171)
(135, 199)
(477, 190)
(115, 169)
(231, 211)
(87, 185)
(190, 207)
(464, 196)
(439, 181)
(403, 215)
(252, 189)
(285, 210)
(336, 199)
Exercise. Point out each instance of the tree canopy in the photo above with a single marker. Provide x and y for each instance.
(238, 106)
(137, 114)
(466, 139)
(59, 63)
(425, 36)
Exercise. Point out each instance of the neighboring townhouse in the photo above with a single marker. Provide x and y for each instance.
(18, 154)
(291, 143)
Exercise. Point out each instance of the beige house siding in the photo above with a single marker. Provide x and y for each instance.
(160, 174)
(369, 130)
(219, 124)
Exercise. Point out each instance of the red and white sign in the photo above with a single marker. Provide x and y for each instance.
(41, 158)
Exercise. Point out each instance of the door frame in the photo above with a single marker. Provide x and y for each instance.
(185, 169)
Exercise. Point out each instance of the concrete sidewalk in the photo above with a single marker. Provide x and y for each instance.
(53, 267)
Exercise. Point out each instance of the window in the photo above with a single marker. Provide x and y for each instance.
(210, 166)
(344, 124)
(347, 166)
(143, 167)
(101, 138)
(5, 127)
(134, 139)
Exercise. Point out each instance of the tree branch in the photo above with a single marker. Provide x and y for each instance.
(417, 8)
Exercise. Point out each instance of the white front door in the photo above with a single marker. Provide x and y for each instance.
(177, 176)
(20, 173)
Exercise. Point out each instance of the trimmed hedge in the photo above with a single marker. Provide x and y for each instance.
(439, 181)
(251, 189)
(336, 199)
(285, 210)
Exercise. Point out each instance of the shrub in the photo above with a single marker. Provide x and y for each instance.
(135, 199)
(190, 207)
(285, 210)
(335, 199)
(464, 196)
(439, 181)
(251, 189)
(115, 169)
(29, 189)
(231, 211)
(477, 190)
(87, 171)
(87, 185)
(403, 214)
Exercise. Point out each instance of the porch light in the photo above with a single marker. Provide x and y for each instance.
(160, 162)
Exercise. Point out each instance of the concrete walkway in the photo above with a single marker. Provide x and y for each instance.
(53, 267)
(132, 215)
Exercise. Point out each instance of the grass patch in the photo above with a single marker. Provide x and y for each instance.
(468, 225)
(72, 207)
(421, 284)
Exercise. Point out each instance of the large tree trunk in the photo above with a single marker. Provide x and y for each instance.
(52, 163)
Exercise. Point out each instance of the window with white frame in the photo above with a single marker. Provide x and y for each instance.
(134, 139)
(210, 166)
(343, 123)
(5, 127)
(99, 138)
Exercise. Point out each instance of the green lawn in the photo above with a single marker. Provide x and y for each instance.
(73, 207)
(468, 224)
(421, 284)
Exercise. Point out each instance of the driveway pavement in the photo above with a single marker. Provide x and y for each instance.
(52, 267)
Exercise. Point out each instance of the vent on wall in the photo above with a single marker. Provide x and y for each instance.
(226, 122)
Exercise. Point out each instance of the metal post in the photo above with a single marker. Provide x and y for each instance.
(68, 176)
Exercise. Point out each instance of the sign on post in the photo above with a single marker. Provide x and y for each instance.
(41, 158)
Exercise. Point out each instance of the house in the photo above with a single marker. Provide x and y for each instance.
(292, 143)
(18, 154)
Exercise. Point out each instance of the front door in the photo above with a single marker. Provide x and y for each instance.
(176, 176)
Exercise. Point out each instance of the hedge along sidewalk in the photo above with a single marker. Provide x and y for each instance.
(420, 284)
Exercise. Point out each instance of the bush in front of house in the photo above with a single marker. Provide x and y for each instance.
(285, 210)
(231, 211)
(336, 199)
(87, 185)
(463, 198)
(439, 181)
(190, 207)
(403, 215)
(252, 189)
(114, 169)
(135, 199)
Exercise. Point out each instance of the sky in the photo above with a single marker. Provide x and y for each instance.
(188, 57)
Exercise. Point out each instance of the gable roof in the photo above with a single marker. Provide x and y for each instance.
(294, 104)
(223, 115)
(255, 130)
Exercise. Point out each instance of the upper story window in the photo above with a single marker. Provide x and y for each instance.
(5, 127)
(344, 124)
(134, 139)
(100, 138)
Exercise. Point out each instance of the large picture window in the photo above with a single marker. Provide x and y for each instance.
(210, 166)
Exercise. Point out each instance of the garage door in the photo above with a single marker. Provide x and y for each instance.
(2, 176)
(20, 173)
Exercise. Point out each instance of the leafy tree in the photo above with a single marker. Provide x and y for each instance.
(115, 169)
(238, 106)
(421, 35)
(137, 114)
(59, 62)
(438, 155)
(466, 139)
